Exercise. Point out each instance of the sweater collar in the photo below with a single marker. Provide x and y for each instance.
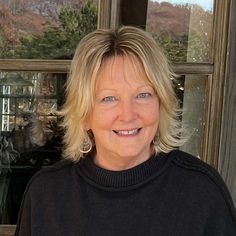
(119, 180)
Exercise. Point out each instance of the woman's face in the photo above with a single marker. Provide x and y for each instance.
(125, 116)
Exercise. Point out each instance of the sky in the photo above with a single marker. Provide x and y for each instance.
(205, 4)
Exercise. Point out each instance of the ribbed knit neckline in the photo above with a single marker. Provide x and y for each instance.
(120, 180)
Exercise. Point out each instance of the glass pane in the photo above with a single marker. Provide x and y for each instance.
(46, 106)
(30, 136)
(23, 104)
(191, 91)
(47, 84)
(7, 123)
(44, 29)
(22, 92)
(183, 28)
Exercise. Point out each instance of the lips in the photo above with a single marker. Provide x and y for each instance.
(129, 132)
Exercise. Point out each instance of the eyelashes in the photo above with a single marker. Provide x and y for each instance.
(110, 99)
(144, 95)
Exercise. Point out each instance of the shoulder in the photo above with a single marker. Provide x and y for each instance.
(196, 166)
(58, 168)
(204, 178)
(51, 177)
(193, 166)
(188, 161)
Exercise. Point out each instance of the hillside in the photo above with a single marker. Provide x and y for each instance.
(30, 16)
(27, 17)
(175, 21)
(167, 19)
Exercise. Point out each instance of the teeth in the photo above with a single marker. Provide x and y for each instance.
(127, 132)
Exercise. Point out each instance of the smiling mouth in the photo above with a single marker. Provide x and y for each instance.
(127, 132)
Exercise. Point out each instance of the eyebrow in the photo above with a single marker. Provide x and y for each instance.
(140, 87)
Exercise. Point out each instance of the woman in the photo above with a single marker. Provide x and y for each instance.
(123, 174)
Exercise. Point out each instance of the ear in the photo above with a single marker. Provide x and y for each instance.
(87, 124)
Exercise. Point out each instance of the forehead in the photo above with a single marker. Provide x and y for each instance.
(119, 69)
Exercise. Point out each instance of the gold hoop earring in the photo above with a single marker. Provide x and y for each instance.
(86, 146)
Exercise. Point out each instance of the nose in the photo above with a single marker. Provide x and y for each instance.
(128, 111)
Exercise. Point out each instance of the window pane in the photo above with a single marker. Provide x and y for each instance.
(46, 106)
(28, 92)
(191, 91)
(30, 136)
(44, 29)
(23, 104)
(183, 28)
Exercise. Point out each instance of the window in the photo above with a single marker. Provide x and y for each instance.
(191, 92)
(44, 29)
(184, 30)
(22, 93)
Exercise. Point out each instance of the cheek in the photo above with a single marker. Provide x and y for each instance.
(151, 113)
(102, 119)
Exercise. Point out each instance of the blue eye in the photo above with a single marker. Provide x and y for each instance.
(144, 95)
(109, 99)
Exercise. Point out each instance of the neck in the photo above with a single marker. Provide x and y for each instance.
(115, 163)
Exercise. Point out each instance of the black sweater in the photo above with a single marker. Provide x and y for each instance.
(171, 194)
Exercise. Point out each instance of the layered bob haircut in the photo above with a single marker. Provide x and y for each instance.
(91, 52)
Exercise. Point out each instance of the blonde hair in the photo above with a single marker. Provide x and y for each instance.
(92, 50)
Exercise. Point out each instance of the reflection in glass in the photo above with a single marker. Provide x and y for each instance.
(183, 28)
(191, 91)
(30, 136)
(44, 29)
(28, 92)
(47, 106)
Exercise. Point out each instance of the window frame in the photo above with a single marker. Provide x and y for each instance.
(212, 134)
(226, 166)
